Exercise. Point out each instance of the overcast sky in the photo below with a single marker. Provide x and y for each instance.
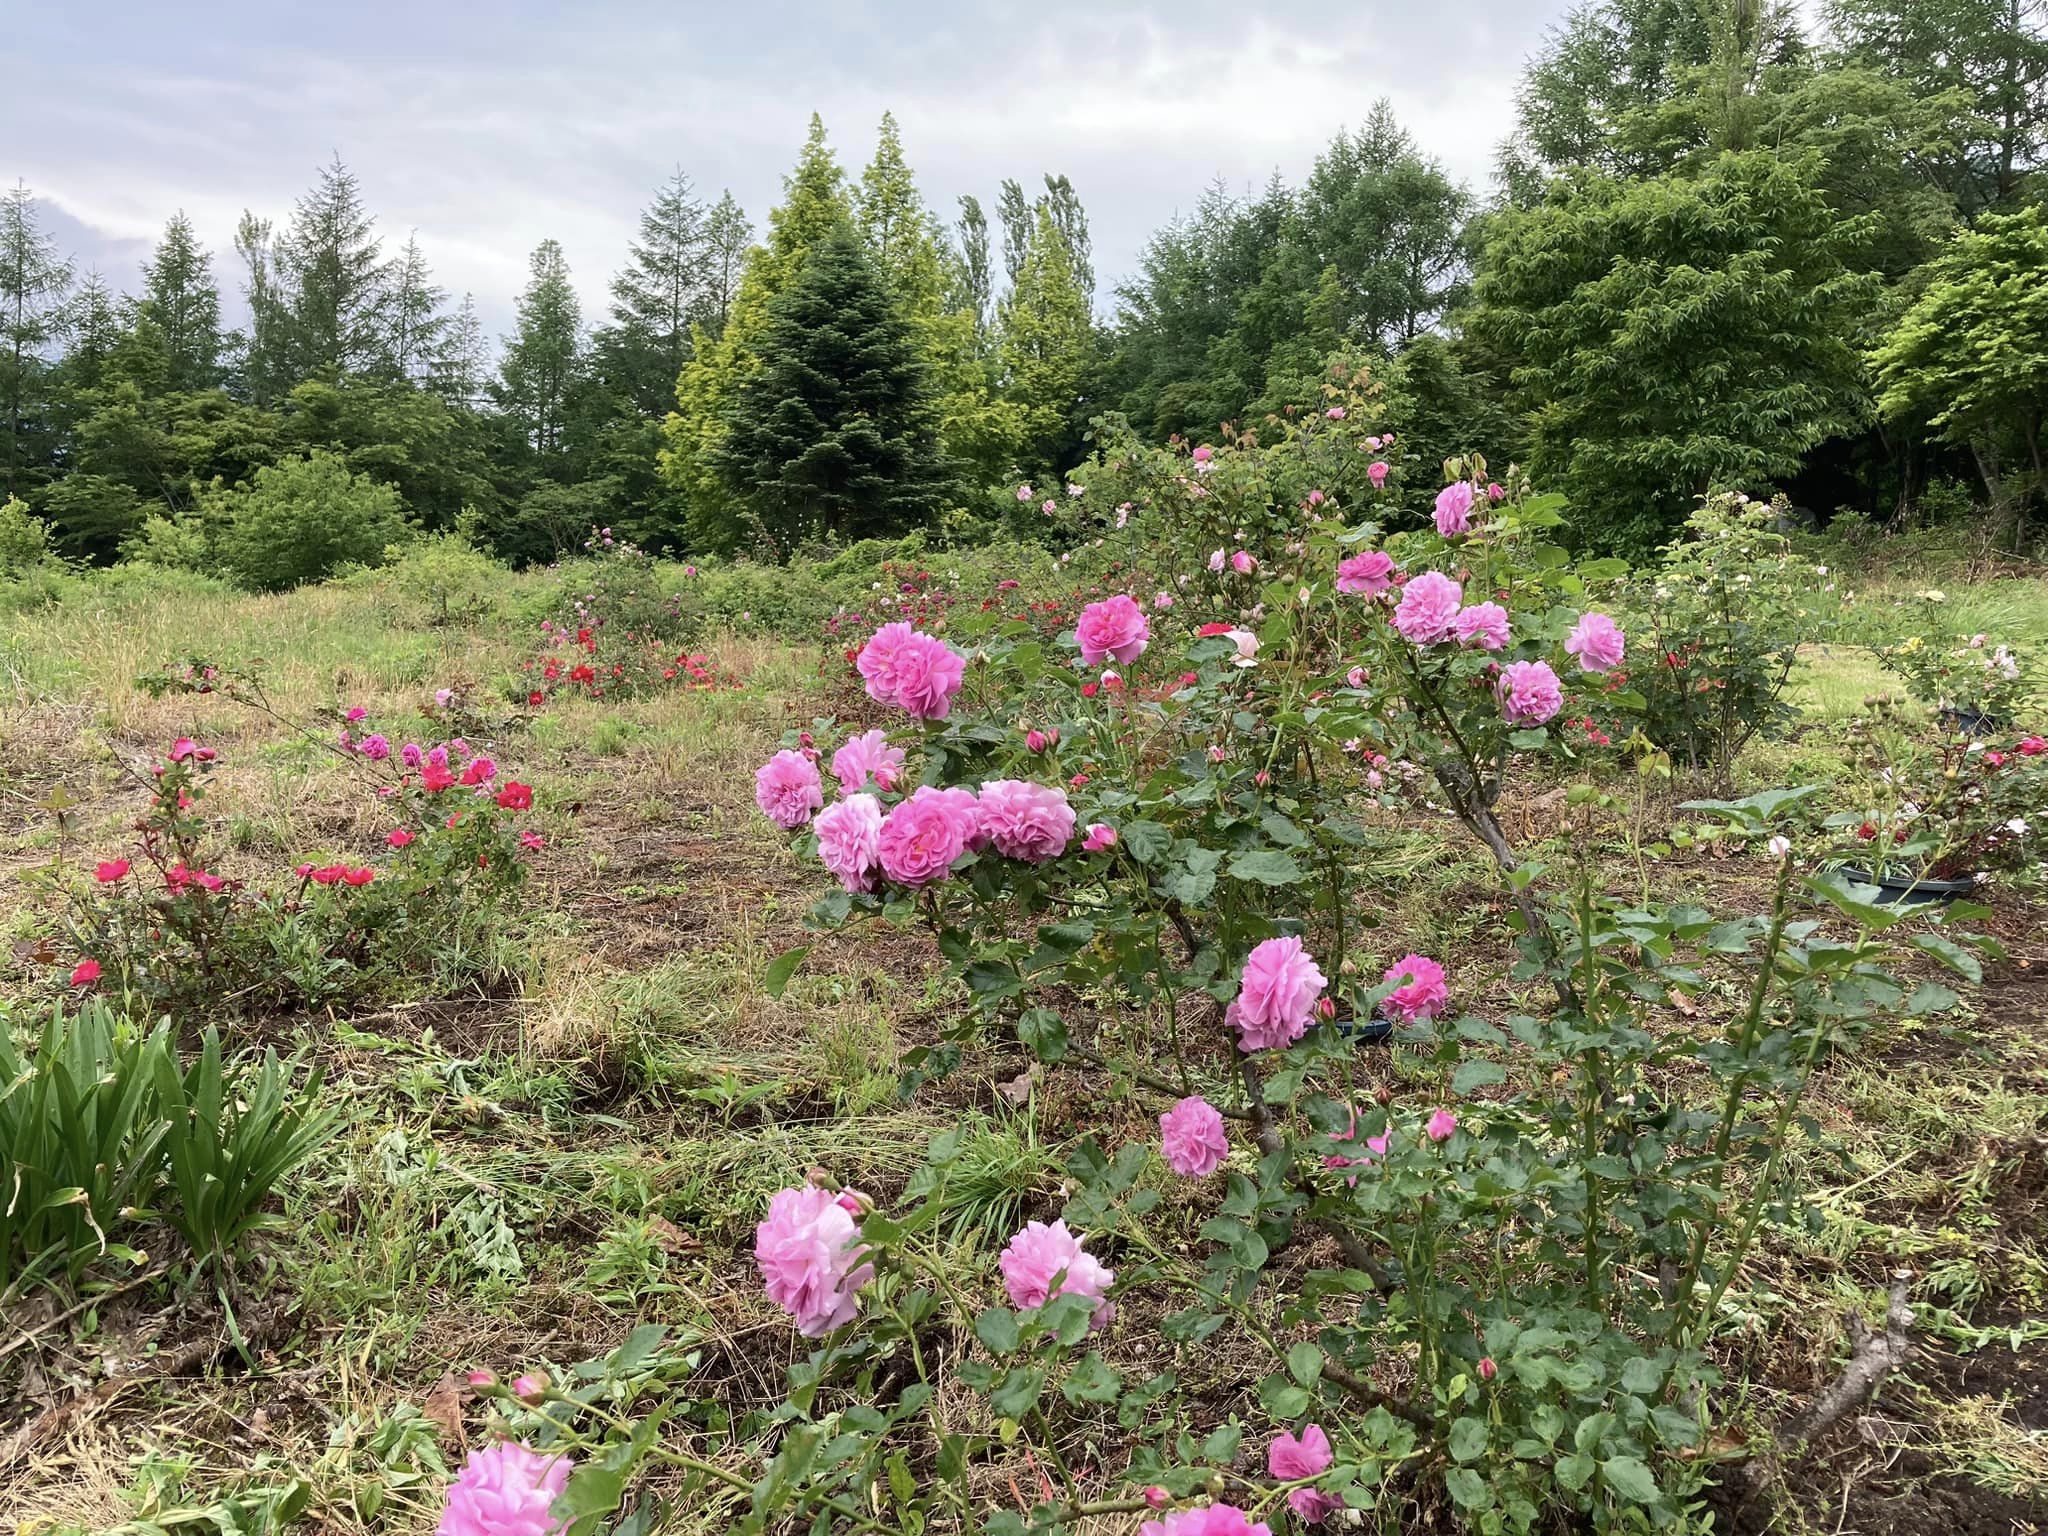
(488, 127)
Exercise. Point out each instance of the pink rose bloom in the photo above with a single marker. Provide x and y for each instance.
(1454, 508)
(850, 840)
(876, 662)
(922, 837)
(867, 759)
(1422, 993)
(1042, 1262)
(375, 747)
(1209, 1520)
(1291, 1458)
(1494, 493)
(411, 755)
(1277, 995)
(1203, 454)
(1529, 692)
(1429, 608)
(1191, 1137)
(1596, 640)
(1027, 821)
(928, 673)
(1376, 472)
(787, 789)
(1335, 413)
(1101, 835)
(1216, 559)
(1484, 625)
(1162, 601)
(807, 1250)
(1243, 563)
(1441, 1125)
(506, 1489)
(1367, 573)
(1115, 627)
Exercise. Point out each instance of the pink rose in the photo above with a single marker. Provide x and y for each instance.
(1422, 993)
(1203, 454)
(1454, 508)
(928, 673)
(1376, 472)
(1191, 1137)
(1529, 692)
(1101, 835)
(1276, 996)
(1484, 625)
(1441, 1126)
(1042, 1262)
(1027, 821)
(507, 1489)
(787, 789)
(1367, 573)
(1291, 1458)
(1209, 1520)
(923, 835)
(1429, 608)
(1243, 562)
(1115, 627)
(867, 759)
(808, 1250)
(850, 840)
(1596, 640)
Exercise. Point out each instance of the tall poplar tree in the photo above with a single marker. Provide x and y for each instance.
(1045, 350)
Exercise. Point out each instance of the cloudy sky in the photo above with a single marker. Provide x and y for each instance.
(488, 127)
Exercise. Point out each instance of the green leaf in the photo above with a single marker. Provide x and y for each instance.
(1044, 1033)
(1950, 954)
(1476, 1074)
(1631, 1479)
(996, 1327)
(1467, 1488)
(775, 980)
(1145, 841)
(1305, 1362)
(1268, 866)
(1468, 1439)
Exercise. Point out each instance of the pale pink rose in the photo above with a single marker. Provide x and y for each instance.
(1494, 493)
(1529, 692)
(1209, 1520)
(1203, 454)
(1042, 1262)
(1191, 1138)
(1115, 627)
(1454, 508)
(1247, 645)
(787, 789)
(1162, 601)
(1357, 677)
(1335, 413)
(1596, 640)
(867, 760)
(1277, 995)
(1376, 472)
(506, 1489)
(928, 674)
(922, 836)
(1429, 608)
(1484, 625)
(1027, 821)
(1367, 573)
(809, 1251)
(1422, 993)
(1024, 493)
(1441, 1126)
(1216, 560)
(1101, 835)
(850, 840)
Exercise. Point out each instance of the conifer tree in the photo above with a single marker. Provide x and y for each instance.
(461, 361)
(655, 298)
(334, 267)
(92, 320)
(33, 282)
(833, 430)
(542, 355)
(413, 315)
(267, 364)
(182, 300)
(728, 232)
(1045, 349)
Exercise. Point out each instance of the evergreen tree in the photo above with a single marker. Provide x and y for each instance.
(182, 300)
(1046, 350)
(658, 295)
(92, 320)
(897, 228)
(267, 361)
(542, 355)
(461, 363)
(833, 430)
(334, 268)
(413, 315)
(33, 282)
(728, 232)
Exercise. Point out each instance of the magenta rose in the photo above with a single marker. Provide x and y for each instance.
(1484, 625)
(850, 840)
(1454, 508)
(1042, 1262)
(787, 789)
(1276, 996)
(1428, 610)
(867, 760)
(923, 835)
(1596, 642)
(1191, 1138)
(808, 1250)
(1115, 627)
(1422, 993)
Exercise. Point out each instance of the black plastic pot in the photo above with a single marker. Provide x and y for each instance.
(1899, 891)
(1975, 723)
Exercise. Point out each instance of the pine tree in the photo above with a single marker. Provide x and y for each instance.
(33, 283)
(335, 269)
(656, 297)
(542, 356)
(728, 232)
(267, 370)
(413, 314)
(460, 363)
(898, 229)
(833, 430)
(1046, 348)
(182, 300)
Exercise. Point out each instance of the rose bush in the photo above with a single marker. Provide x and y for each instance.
(1498, 1292)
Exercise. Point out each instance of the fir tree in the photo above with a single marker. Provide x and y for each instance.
(33, 283)
(728, 232)
(461, 362)
(335, 270)
(542, 355)
(182, 300)
(833, 431)
(413, 315)
(92, 319)
(655, 298)
(267, 364)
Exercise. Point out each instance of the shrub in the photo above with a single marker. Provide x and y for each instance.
(450, 577)
(24, 538)
(302, 520)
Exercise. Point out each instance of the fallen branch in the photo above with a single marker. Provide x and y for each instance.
(1872, 1357)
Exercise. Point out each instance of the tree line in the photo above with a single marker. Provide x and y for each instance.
(1725, 246)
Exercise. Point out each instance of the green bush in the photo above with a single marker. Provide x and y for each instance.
(24, 538)
(449, 576)
(301, 521)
